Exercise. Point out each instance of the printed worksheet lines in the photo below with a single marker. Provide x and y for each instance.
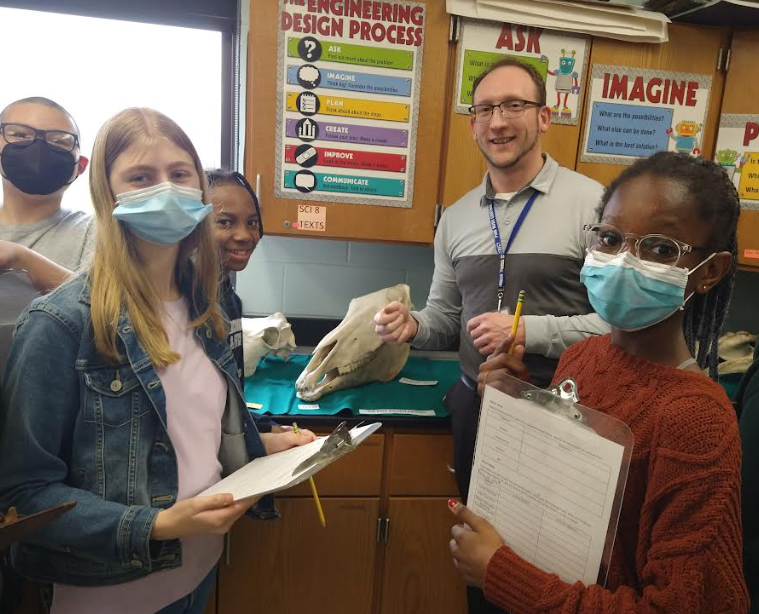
(569, 456)
(552, 462)
(574, 449)
(566, 493)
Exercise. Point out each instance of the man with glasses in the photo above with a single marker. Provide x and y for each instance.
(40, 243)
(39, 159)
(521, 229)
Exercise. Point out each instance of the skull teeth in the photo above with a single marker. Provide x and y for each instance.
(334, 373)
(357, 364)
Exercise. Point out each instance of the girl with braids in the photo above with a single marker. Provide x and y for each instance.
(659, 269)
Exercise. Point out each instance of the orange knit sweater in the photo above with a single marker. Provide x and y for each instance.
(678, 544)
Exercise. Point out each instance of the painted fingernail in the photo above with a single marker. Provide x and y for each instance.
(452, 503)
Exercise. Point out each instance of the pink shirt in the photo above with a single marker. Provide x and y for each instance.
(196, 395)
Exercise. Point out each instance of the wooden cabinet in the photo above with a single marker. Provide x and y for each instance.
(422, 465)
(358, 476)
(741, 96)
(419, 576)
(385, 548)
(347, 221)
(293, 564)
(692, 49)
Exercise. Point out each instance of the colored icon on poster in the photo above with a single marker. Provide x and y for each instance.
(309, 77)
(306, 155)
(305, 181)
(307, 129)
(309, 49)
(307, 103)
(348, 80)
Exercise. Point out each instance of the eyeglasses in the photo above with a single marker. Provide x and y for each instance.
(653, 249)
(510, 109)
(26, 135)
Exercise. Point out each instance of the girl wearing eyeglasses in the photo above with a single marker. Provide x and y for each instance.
(122, 394)
(659, 269)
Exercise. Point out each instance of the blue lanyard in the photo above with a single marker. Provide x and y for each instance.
(497, 238)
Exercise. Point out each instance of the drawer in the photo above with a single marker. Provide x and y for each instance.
(422, 465)
(358, 474)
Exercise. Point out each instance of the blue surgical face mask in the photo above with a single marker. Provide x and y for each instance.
(630, 294)
(164, 214)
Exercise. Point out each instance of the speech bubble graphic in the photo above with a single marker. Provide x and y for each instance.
(309, 76)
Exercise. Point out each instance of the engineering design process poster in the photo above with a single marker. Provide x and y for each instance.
(349, 81)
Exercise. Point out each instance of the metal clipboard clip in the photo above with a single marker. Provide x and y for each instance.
(562, 399)
(337, 444)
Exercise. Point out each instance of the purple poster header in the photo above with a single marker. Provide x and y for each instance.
(310, 130)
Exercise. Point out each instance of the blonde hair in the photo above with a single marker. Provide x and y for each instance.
(116, 275)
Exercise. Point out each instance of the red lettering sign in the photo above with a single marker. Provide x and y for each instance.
(655, 90)
(751, 132)
(348, 158)
(530, 43)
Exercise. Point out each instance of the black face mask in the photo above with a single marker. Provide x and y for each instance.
(37, 168)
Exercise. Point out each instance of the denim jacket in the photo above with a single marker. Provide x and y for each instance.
(76, 428)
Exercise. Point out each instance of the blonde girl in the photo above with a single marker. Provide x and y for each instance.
(122, 394)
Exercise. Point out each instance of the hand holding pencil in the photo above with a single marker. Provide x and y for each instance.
(488, 329)
(507, 358)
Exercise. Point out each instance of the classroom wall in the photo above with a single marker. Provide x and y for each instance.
(743, 314)
(317, 278)
(314, 278)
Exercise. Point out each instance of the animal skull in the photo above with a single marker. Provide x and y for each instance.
(353, 354)
(265, 336)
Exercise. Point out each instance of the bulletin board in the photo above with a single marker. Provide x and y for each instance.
(561, 59)
(635, 112)
(738, 153)
(349, 81)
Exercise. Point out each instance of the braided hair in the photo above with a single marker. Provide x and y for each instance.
(716, 200)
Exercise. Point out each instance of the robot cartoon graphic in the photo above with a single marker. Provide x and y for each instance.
(727, 159)
(684, 136)
(566, 83)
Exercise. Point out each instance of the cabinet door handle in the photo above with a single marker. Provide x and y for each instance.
(379, 530)
(387, 529)
(450, 469)
(228, 548)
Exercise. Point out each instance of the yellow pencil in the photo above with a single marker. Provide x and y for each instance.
(313, 488)
(515, 324)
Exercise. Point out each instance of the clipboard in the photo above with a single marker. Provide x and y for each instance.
(283, 470)
(16, 530)
(338, 443)
(550, 475)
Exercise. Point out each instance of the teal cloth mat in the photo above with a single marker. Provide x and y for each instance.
(272, 387)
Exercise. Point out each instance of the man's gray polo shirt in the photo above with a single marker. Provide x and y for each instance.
(544, 260)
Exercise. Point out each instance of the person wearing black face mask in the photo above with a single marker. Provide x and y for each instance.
(39, 159)
(40, 243)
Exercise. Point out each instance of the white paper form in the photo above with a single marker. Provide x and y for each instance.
(273, 473)
(546, 483)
